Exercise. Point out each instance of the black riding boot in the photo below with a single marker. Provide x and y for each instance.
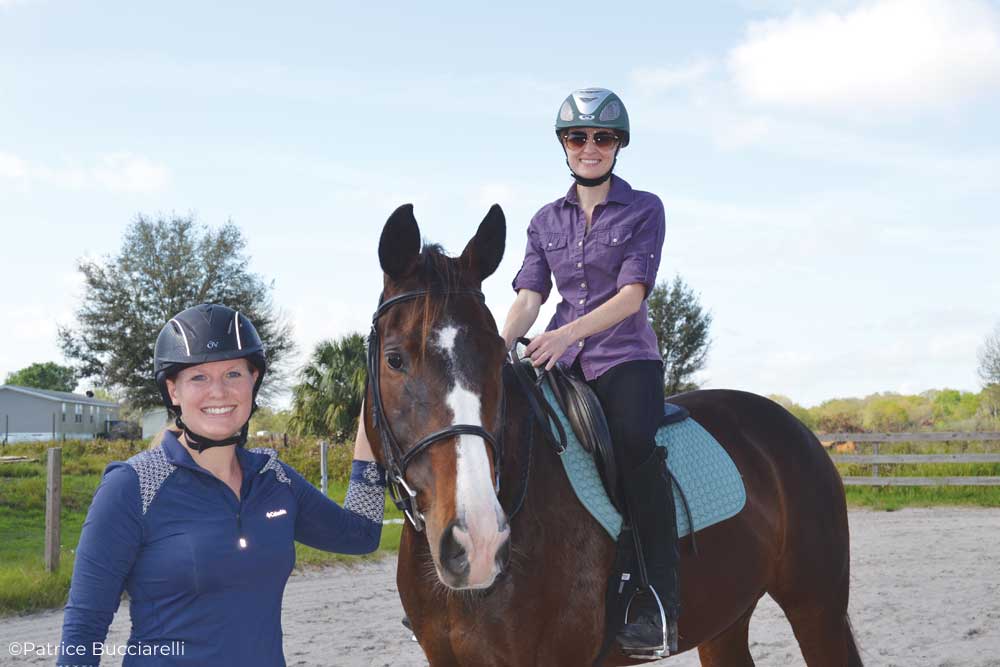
(650, 498)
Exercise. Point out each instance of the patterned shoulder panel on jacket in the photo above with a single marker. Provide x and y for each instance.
(153, 470)
(272, 463)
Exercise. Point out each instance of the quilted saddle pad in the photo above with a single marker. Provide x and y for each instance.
(702, 469)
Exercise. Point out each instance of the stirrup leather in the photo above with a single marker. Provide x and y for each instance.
(661, 651)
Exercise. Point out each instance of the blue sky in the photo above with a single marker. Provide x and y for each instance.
(829, 170)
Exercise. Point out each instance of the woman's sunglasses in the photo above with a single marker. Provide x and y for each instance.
(577, 140)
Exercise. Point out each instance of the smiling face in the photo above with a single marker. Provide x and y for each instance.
(590, 161)
(215, 398)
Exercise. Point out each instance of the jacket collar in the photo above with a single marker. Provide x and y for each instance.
(620, 193)
(177, 454)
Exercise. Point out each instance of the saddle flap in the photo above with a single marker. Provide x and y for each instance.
(586, 417)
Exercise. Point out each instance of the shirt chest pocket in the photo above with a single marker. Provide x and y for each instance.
(611, 244)
(556, 248)
(554, 244)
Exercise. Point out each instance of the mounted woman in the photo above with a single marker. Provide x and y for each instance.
(602, 244)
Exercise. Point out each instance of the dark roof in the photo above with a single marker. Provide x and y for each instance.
(58, 395)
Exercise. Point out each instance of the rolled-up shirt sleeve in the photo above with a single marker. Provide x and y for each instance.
(535, 273)
(642, 252)
(109, 543)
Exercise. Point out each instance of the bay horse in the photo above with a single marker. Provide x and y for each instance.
(483, 589)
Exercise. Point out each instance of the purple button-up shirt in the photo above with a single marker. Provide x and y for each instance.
(622, 248)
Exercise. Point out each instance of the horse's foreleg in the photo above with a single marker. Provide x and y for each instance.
(731, 648)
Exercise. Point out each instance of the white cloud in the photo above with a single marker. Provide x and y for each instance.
(13, 167)
(122, 172)
(115, 172)
(659, 79)
(888, 54)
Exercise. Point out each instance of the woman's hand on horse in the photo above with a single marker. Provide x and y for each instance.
(546, 348)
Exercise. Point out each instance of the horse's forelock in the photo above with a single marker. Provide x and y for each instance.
(441, 273)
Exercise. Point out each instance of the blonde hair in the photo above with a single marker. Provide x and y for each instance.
(157, 439)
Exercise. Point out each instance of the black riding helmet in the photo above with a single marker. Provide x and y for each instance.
(199, 335)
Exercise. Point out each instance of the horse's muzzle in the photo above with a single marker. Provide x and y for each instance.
(468, 561)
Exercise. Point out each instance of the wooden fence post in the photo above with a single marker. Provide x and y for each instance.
(53, 505)
(875, 465)
(323, 446)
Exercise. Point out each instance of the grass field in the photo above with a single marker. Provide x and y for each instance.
(25, 585)
(892, 498)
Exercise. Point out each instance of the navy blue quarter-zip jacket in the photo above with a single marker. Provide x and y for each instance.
(205, 571)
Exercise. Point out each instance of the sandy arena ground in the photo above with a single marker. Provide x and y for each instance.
(925, 591)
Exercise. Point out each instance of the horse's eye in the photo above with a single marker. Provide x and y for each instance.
(394, 359)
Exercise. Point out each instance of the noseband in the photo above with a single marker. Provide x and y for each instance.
(395, 459)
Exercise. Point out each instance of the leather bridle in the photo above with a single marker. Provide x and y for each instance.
(395, 459)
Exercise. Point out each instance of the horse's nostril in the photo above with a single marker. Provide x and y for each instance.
(453, 555)
(503, 555)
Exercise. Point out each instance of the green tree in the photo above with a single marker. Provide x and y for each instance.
(989, 358)
(272, 421)
(681, 327)
(838, 415)
(989, 403)
(953, 405)
(885, 413)
(163, 267)
(327, 399)
(47, 375)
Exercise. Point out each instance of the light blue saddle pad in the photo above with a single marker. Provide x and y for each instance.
(703, 470)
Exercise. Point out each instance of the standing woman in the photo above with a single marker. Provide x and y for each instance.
(602, 243)
(200, 530)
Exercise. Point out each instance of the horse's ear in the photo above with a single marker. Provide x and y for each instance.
(399, 246)
(485, 250)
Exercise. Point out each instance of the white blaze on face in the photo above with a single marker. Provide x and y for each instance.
(446, 341)
(476, 506)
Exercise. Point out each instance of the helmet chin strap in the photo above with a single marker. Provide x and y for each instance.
(590, 182)
(200, 442)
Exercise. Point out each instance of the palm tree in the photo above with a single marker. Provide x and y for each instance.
(327, 399)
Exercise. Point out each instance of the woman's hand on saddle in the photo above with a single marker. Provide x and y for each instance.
(546, 348)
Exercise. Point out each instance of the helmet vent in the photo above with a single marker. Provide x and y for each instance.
(611, 112)
(566, 113)
(236, 323)
(180, 329)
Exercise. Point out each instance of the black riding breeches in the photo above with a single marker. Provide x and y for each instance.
(631, 394)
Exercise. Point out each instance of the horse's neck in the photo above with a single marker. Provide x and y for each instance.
(548, 489)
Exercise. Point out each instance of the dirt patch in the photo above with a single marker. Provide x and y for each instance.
(925, 591)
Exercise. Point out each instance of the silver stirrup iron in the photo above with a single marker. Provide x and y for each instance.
(661, 651)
